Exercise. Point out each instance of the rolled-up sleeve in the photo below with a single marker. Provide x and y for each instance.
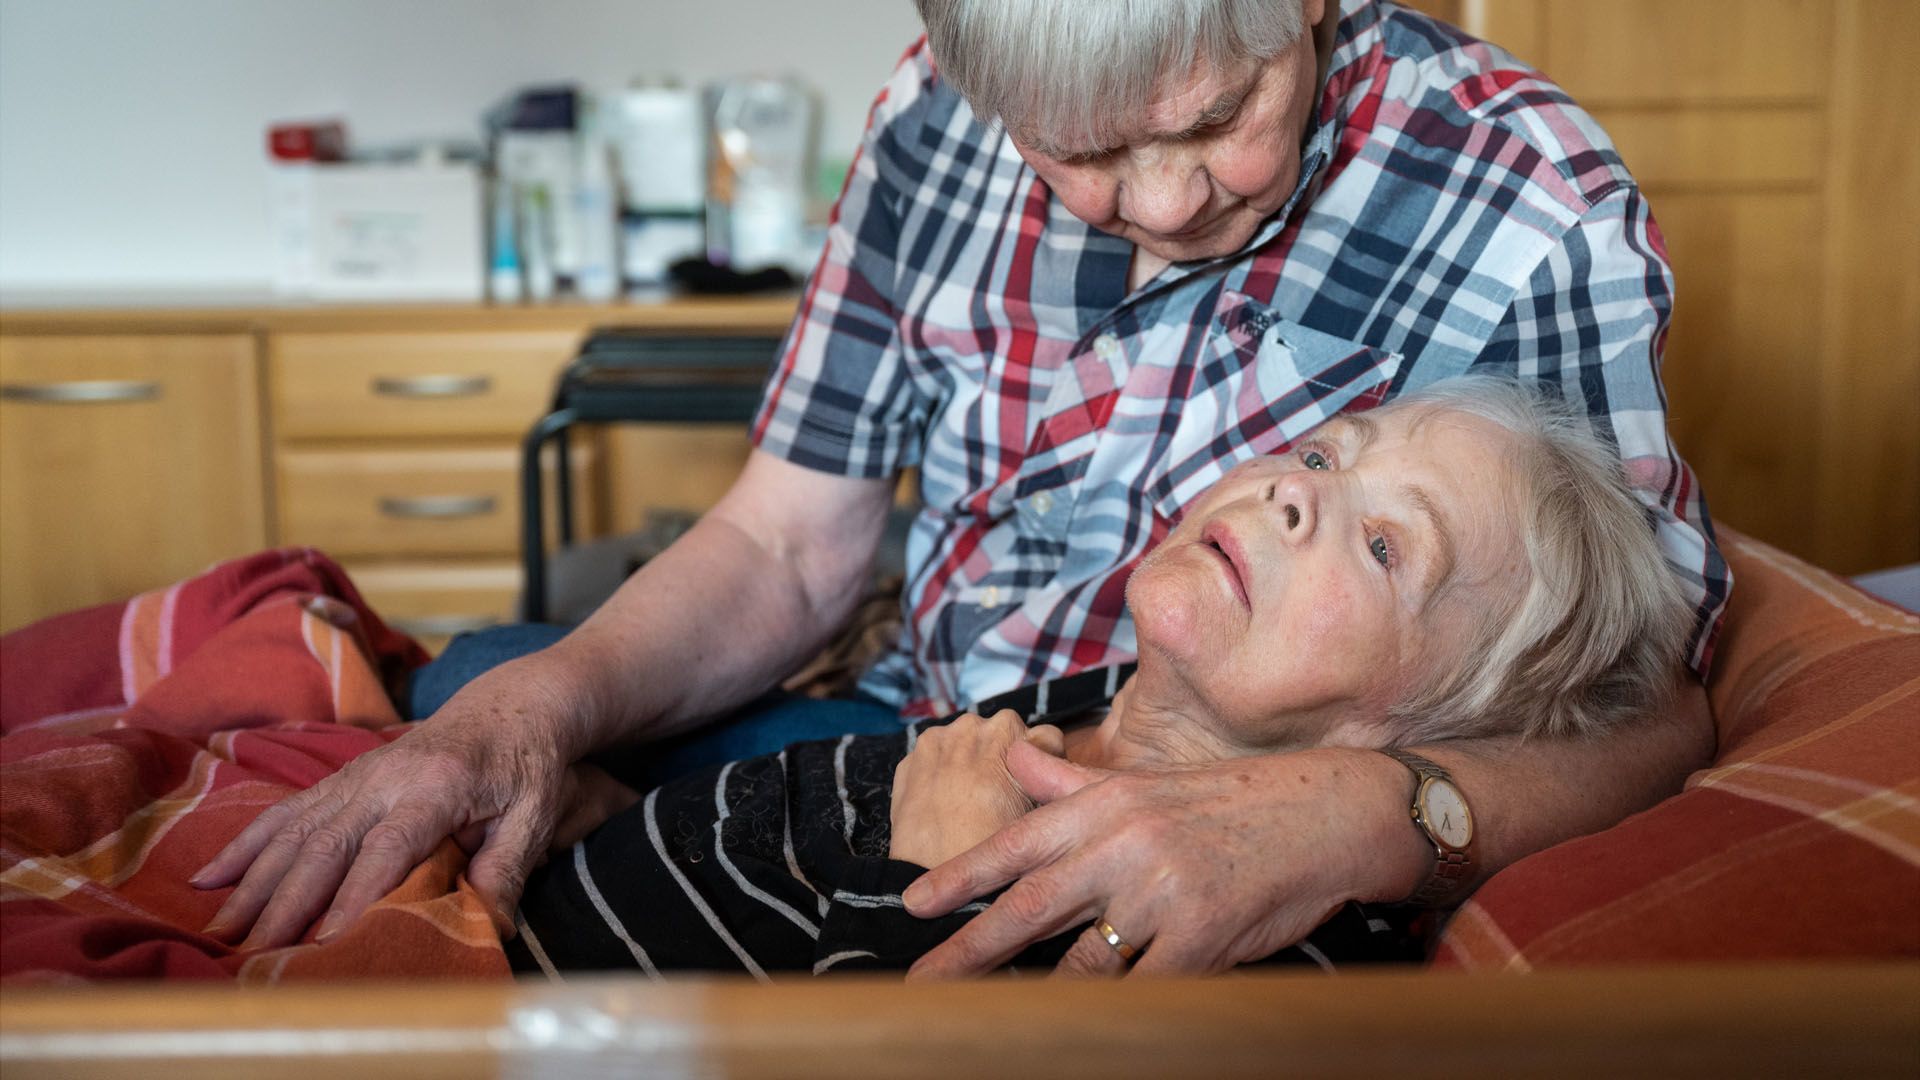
(840, 398)
(1593, 319)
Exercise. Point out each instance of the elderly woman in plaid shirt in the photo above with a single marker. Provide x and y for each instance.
(1091, 256)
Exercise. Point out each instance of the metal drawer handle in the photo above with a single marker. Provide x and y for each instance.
(442, 625)
(82, 392)
(432, 386)
(438, 506)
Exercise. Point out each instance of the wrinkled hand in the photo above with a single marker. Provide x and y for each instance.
(953, 790)
(1199, 868)
(486, 769)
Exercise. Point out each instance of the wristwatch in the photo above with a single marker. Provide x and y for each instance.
(1441, 814)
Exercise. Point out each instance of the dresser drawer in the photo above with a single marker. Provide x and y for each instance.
(127, 461)
(373, 502)
(433, 601)
(413, 384)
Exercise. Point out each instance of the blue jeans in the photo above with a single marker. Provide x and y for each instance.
(764, 726)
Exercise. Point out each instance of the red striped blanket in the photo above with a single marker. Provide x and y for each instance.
(136, 739)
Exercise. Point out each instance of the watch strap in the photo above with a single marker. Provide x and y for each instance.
(1422, 767)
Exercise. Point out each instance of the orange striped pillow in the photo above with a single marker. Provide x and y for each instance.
(1802, 841)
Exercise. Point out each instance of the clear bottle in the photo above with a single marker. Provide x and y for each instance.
(763, 136)
(597, 219)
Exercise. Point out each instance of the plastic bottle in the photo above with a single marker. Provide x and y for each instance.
(504, 283)
(597, 218)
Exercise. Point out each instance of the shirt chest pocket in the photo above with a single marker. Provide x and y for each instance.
(1259, 383)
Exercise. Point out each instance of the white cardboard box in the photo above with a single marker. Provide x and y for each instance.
(381, 232)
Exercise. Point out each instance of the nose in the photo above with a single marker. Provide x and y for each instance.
(1296, 498)
(1164, 193)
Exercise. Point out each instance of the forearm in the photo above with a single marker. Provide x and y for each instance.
(1529, 795)
(715, 620)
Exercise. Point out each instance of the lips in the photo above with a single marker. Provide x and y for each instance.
(1218, 540)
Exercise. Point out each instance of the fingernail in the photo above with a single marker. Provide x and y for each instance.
(199, 878)
(916, 895)
(218, 925)
(503, 921)
(329, 926)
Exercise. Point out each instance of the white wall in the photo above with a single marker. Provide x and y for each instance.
(132, 132)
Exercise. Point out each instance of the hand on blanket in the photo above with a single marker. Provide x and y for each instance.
(953, 790)
(489, 767)
(1199, 867)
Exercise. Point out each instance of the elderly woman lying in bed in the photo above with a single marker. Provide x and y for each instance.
(1465, 561)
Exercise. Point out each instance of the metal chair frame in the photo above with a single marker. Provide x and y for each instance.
(630, 376)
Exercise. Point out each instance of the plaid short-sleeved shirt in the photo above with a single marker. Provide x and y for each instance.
(1455, 211)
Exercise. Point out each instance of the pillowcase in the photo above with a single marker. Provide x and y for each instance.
(1800, 842)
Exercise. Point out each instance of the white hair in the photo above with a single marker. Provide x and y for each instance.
(1596, 636)
(1076, 73)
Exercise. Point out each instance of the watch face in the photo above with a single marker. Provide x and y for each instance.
(1446, 813)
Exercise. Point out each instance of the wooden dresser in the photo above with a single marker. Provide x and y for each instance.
(137, 445)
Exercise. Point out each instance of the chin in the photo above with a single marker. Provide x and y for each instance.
(1206, 247)
(1227, 239)
(1167, 616)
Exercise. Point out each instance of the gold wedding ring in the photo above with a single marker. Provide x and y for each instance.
(1106, 930)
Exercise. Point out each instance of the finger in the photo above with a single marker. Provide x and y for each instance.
(256, 886)
(1178, 954)
(499, 871)
(471, 837)
(1034, 908)
(234, 859)
(390, 851)
(598, 799)
(1016, 850)
(309, 882)
(1048, 738)
(1044, 777)
(1091, 958)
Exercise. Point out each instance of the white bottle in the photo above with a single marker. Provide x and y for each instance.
(596, 213)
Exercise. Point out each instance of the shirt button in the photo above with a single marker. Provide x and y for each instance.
(1107, 346)
(990, 598)
(1043, 504)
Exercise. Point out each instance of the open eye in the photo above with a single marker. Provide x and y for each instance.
(1382, 552)
(1314, 459)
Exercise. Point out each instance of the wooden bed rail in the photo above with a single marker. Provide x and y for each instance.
(1717, 1021)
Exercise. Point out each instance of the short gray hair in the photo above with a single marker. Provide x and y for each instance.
(1070, 72)
(1596, 637)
